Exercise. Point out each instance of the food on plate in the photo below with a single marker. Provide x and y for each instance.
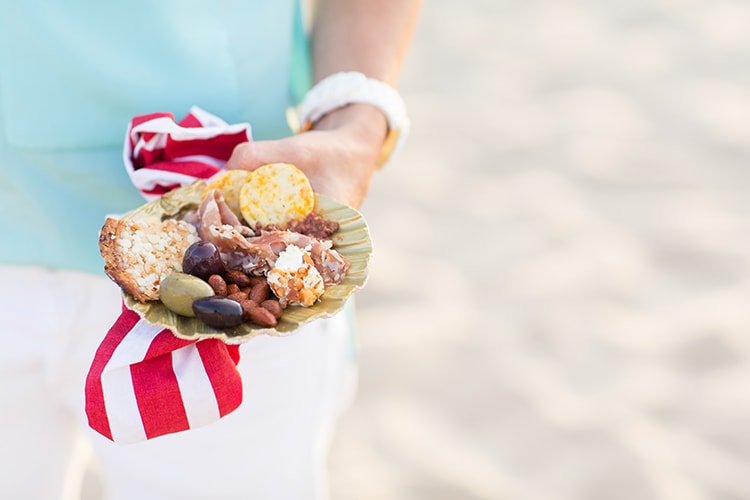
(294, 278)
(251, 292)
(314, 225)
(229, 183)
(219, 285)
(275, 194)
(255, 252)
(219, 312)
(273, 306)
(204, 260)
(178, 291)
(259, 314)
(139, 254)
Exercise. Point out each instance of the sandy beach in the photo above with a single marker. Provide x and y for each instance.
(559, 300)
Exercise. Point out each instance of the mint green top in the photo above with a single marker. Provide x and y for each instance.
(72, 76)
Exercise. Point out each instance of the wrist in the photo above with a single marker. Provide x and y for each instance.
(365, 126)
(339, 92)
(362, 119)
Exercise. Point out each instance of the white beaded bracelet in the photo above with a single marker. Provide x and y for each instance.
(340, 89)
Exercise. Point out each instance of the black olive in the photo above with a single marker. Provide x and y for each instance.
(219, 312)
(202, 259)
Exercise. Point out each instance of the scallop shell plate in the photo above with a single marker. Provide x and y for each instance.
(352, 240)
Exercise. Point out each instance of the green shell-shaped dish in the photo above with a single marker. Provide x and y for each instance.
(352, 241)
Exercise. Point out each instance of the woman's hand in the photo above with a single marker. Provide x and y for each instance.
(339, 155)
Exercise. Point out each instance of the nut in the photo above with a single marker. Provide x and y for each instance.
(237, 296)
(218, 284)
(272, 306)
(238, 278)
(257, 314)
(260, 292)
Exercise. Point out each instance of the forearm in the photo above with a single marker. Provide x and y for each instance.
(370, 36)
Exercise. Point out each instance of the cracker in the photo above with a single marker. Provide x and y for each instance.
(139, 254)
(275, 194)
(229, 182)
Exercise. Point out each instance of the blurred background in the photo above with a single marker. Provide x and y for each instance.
(559, 300)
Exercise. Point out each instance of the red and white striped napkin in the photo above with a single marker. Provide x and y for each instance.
(144, 382)
(161, 154)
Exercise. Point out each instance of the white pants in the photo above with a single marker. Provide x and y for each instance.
(272, 447)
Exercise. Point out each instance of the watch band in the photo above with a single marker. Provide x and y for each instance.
(340, 89)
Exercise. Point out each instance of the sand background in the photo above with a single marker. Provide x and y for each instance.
(559, 302)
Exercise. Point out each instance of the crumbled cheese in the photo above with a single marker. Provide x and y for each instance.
(294, 279)
(291, 259)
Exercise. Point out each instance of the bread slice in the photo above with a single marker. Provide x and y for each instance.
(139, 254)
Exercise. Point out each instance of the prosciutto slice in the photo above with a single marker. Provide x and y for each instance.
(331, 265)
(219, 225)
(242, 249)
(214, 211)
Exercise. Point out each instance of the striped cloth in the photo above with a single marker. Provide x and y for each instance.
(161, 154)
(144, 382)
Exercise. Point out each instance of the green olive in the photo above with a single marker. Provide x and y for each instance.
(178, 291)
